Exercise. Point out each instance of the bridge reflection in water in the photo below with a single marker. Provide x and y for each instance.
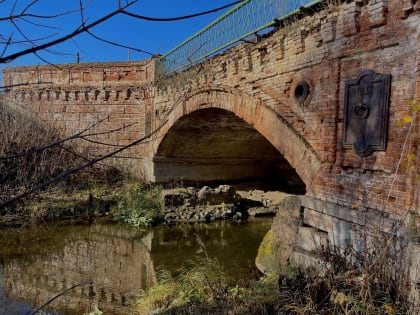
(114, 258)
(119, 260)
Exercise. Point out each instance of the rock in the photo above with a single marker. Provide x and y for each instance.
(286, 225)
(237, 216)
(203, 193)
(258, 202)
(192, 190)
(267, 260)
(311, 239)
(222, 194)
(277, 247)
(223, 202)
(306, 261)
(175, 197)
(245, 203)
(266, 202)
(260, 211)
(171, 218)
(226, 213)
(224, 189)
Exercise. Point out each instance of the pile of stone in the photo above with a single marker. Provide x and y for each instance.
(190, 205)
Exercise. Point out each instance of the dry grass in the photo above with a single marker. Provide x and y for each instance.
(370, 281)
(30, 155)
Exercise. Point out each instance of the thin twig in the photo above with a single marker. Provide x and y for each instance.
(81, 29)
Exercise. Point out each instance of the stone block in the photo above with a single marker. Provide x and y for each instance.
(311, 239)
(415, 263)
(306, 261)
(338, 230)
(414, 276)
(318, 220)
(333, 211)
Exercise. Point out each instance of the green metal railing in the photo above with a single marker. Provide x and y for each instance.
(245, 19)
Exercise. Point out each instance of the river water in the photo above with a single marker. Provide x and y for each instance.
(109, 263)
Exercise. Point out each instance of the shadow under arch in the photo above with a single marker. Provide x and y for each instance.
(221, 133)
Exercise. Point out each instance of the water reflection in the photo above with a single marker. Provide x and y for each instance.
(235, 245)
(115, 262)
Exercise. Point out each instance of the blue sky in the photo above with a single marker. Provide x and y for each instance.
(153, 37)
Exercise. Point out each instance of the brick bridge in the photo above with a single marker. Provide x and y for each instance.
(314, 104)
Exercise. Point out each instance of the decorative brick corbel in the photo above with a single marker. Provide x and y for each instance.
(378, 10)
(351, 20)
(328, 27)
(299, 38)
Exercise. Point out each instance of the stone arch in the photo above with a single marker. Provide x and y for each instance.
(274, 128)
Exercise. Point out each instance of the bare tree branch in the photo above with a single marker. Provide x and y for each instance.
(31, 42)
(6, 46)
(29, 6)
(81, 29)
(101, 142)
(178, 18)
(4, 41)
(38, 24)
(24, 14)
(57, 296)
(118, 44)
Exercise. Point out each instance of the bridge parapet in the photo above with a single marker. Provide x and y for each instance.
(80, 74)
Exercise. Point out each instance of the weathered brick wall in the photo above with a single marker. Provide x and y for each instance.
(325, 49)
(256, 81)
(107, 100)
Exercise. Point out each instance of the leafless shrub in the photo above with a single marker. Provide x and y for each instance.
(25, 156)
(368, 278)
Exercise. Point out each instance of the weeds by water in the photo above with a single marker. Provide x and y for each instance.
(351, 283)
(139, 205)
(204, 287)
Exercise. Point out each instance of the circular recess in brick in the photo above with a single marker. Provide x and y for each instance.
(301, 91)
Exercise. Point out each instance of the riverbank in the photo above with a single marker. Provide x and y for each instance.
(348, 284)
(205, 288)
(132, 202)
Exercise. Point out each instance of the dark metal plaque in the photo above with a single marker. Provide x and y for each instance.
(366, 102)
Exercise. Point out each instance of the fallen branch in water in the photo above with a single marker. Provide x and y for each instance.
(57, 296)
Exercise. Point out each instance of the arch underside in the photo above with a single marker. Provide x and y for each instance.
(218, 135)
(215, 146)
